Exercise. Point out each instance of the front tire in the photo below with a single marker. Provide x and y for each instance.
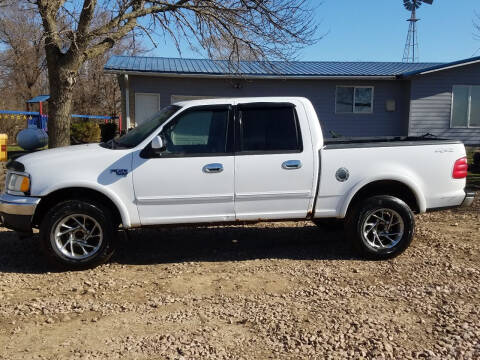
(78, 234)
(381, 227)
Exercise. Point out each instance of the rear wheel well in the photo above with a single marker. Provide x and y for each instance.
(47, 202)
(386, 187)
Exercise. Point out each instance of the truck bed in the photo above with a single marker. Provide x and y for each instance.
(370, 142)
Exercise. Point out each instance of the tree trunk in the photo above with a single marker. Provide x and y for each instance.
(61, 83)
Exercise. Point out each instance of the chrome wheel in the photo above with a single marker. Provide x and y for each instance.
(383, 228)
(77, 236)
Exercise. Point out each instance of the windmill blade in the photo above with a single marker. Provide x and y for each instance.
(412, 4)
(430, 2)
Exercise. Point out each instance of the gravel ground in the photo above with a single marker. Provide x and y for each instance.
(275, 290)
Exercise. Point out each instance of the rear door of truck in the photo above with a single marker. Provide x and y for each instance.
(274, 162)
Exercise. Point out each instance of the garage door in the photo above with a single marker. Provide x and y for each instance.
(146, 105)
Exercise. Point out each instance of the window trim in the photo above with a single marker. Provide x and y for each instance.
(239, 129)
(147, 153)
(469, 110)
(353, 108)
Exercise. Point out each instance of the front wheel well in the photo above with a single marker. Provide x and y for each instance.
(386, 187)
(47, 202)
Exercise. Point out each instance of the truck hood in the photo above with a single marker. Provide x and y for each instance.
(74, 160)
(73, 153)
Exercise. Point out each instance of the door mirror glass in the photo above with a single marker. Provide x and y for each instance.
(157, 144)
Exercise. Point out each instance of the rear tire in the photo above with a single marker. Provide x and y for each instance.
(78, 234)
(381, 227)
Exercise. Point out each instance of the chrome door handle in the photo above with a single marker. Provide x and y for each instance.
(213, 168)
(292, 164)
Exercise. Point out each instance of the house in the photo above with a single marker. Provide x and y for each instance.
(354, 99)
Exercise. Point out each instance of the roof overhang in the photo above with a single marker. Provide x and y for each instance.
(448, 66)
(248, 77)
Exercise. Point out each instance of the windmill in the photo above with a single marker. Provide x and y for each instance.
(410, 54)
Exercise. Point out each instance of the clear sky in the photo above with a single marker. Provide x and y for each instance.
(365, 30)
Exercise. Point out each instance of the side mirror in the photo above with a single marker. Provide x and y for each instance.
(157, 144)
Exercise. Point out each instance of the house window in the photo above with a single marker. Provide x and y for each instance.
(354, 99)
(465, 106)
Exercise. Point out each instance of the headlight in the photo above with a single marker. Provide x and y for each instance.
(17, 183)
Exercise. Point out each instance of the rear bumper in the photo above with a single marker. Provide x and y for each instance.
(16, 212)
(469, 197)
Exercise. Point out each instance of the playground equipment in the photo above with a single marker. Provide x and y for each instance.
(35, 135)
(32, 138)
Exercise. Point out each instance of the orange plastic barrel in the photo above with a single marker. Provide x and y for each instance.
(3, 147)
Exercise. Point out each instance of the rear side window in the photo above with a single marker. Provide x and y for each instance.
(269, 129)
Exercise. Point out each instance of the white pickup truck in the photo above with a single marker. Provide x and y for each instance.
(231, 160)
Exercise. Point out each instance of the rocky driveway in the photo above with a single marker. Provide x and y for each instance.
(274, 290)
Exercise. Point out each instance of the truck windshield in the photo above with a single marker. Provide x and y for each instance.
(140, 132)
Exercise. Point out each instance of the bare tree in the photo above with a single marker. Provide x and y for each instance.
(23, 59)
(95, 92)
(225, 48)
(269, 28)
(23, 72)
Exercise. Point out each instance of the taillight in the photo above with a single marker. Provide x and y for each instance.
(460, 168)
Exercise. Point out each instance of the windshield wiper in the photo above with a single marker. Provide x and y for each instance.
(112, 144)
(117, 144)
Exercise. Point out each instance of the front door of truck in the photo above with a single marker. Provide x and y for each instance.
(274, 164)
(192, 180)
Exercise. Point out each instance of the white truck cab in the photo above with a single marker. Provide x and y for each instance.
(230, 160)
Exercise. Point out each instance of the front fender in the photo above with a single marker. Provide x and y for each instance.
(122, 209)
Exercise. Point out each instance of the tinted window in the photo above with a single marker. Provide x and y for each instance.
(269, 129)
(197, 132)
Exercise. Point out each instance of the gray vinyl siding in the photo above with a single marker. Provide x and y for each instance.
(320, 92)
(431, 103)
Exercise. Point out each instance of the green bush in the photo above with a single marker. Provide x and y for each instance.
(108, 131)
(83, 132)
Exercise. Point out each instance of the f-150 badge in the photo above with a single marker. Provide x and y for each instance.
(119, 172)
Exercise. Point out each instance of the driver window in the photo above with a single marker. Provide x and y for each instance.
(197, 132)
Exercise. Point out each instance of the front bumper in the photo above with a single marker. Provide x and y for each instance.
(16, 212)
(469, 197)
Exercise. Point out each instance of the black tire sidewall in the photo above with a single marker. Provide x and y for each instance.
(382, 202)
(70, 207)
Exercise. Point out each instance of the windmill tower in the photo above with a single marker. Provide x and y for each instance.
(410, 54)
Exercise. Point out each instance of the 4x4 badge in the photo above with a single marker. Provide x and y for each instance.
(119, 172)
